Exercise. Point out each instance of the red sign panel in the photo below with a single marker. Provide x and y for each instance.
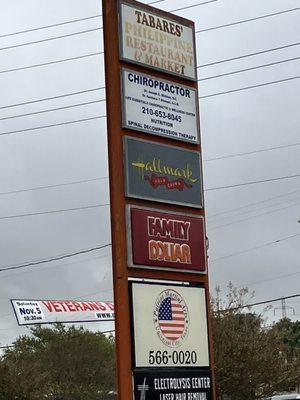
(164, 240)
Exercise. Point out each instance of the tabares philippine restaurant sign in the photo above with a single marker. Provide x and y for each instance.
(30, 312)
(159, 107)
(158, 384)
(164, 240)
(169, 325)
(162, 173)
(156, 41)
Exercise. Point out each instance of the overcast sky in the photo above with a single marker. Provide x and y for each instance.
(239, 122)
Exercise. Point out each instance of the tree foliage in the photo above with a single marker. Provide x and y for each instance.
(68, 362)
(250, 359)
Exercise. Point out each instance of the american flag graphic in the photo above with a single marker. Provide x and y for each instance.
(171, 319)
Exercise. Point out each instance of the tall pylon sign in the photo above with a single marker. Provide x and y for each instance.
(161, 293)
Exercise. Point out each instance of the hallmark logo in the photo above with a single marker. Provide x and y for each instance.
(160, 173)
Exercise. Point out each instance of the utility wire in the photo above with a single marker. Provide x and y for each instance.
(244, 212)
(54, 258)
(249, 69)
(193, 5)
(250, 87)
(53, 211)
(53, 109)
(50, 63)
(251, 204)
(52, 97)
(248, 55)
(52, 186)
(49, 26)
(49, 39)
(254, 216)
(284, 146)
(249, 20)
(103, 116)
(53, 125)
(253, 182)
(261, 302)
(272, 279)
(254, 248)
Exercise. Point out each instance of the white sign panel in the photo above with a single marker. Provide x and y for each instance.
(159, 107)
(30, 312)
(156, 41)
(170, 326)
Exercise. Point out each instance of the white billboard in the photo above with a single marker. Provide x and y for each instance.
(157, 41)
(169, 325)
(30, 312)
(159, 107)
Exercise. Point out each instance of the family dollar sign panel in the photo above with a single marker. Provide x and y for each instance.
(157, 41)
(166, 240)
(159, 107)
(162, 173)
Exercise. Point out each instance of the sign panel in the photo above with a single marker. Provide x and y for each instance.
(159, 107)
(165, 240)
(157, 384)
(30, 312)
(162, 173)
(156, 41)
(169, 326)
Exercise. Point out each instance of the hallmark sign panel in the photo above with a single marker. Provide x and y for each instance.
(169, 325)
(162, 173)
(165, 240)
(157, 384)
(30, 312)
(153, 40)
(159, 107)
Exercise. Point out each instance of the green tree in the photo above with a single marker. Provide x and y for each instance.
(249, 360)
(71, 362)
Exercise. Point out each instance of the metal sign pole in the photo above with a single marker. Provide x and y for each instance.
(165, 132)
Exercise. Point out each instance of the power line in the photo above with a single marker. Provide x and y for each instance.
(49, 39)
(257, 303)
(250, 87)
(284, 146)
(54, 211)
(49, 26)
(273, 279)
(52, 97)
(254, 248)
(50, 63)
(54, 258)
(251, 204)
(103, 116)
(52, 186)
(248, 20)
(193, 5)
(254, 216)
(243, 213)
(249, 69)
(53, 109)
(53, 125)
(253, 182)
(249, 55)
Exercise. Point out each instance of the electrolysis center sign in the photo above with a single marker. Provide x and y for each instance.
(156, 41)
(170, 326)
(159, 107)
